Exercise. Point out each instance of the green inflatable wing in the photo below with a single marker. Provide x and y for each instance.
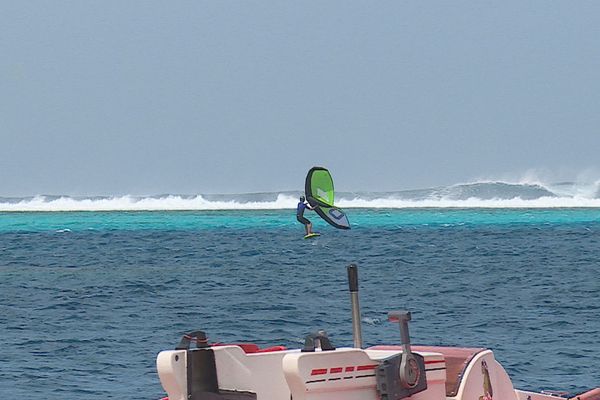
(320, 194)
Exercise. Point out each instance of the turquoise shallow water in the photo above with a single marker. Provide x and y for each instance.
(367, 218)
(87, 299)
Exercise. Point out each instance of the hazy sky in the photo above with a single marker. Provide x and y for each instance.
(148, 97)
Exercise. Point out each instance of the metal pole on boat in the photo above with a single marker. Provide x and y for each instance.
(353, 284)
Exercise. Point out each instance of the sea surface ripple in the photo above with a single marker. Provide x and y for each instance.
(87, 300)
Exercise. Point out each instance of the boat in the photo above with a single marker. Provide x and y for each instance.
(199, 370)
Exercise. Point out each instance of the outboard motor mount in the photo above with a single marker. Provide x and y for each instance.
(202, 382)
(402, 375)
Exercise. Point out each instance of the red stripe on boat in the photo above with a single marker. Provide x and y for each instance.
(336, 370)
(349, 369)
(320, 371)
(365, 367)
(435, 362)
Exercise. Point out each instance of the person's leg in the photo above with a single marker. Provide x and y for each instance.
(306, 224)
(309, 228)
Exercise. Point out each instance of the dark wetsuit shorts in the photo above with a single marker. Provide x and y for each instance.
(302, 219)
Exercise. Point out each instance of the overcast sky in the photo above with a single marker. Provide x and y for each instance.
(149, 97)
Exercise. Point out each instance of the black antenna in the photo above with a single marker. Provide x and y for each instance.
(353, 285)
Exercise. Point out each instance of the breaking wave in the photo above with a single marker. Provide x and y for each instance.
(470, 195)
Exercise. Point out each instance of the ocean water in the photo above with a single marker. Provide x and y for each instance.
(88, 298)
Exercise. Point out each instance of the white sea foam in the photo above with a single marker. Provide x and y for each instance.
(543, 202)
(481, 194)
(132, 203)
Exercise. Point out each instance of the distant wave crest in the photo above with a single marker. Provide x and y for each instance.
(470, 195)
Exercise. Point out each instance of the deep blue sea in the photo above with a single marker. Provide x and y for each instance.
(88, 299)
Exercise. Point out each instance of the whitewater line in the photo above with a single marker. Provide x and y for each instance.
(282, 202)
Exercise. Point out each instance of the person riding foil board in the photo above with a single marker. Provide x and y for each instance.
(303, 205)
